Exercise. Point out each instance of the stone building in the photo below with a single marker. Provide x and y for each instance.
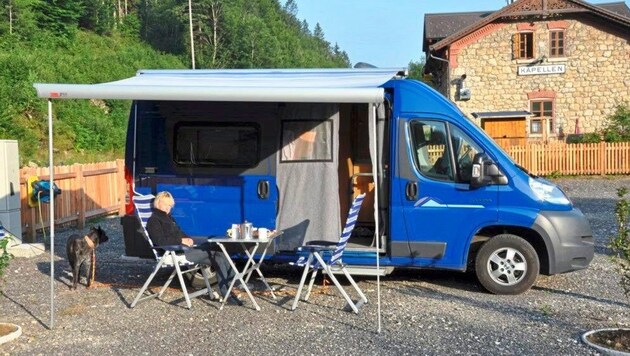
(535, 69)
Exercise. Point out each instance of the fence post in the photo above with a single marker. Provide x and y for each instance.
(79, 183)
(602, 158)
(32, 215)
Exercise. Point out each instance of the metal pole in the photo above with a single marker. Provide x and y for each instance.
(51, 214)
(190, 25)
(376, 222)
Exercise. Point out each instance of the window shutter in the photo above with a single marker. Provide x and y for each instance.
(516, 45)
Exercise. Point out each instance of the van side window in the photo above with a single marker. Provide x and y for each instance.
(431, 149)
(217, 144)
(465, 150)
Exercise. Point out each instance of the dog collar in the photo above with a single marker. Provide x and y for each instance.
(89, 241)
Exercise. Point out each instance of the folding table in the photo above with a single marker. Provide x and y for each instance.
(250, 266)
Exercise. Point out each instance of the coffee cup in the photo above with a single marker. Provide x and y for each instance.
(235, 231)
(263, 233)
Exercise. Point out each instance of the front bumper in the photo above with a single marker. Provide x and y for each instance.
(568, 238)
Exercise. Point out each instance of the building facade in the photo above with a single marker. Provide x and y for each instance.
(535, 70)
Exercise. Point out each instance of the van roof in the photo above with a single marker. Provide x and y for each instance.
(356, 85)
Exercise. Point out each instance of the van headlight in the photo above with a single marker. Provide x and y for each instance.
(548, 192)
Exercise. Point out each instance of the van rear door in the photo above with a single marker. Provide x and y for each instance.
(217, 159)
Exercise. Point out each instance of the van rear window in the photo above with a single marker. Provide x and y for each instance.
(217, 144)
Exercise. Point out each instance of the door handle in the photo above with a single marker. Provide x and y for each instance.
(411, 190)
(263, 189)
(11, 189)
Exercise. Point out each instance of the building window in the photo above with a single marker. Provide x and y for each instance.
(523, 45)
(541, 109)
(556, 40)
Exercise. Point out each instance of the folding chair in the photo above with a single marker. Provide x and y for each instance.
(332, 263)
(166, 256)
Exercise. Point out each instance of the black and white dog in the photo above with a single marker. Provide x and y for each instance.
(80, 249)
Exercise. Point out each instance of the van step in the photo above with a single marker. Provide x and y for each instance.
(366, 270)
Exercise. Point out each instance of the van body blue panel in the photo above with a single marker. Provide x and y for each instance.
(203, 210)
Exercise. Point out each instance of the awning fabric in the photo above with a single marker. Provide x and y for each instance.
(255, 85)
(500, 114)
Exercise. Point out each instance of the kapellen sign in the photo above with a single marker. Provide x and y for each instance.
(539, 70)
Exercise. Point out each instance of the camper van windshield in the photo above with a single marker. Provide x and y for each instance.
(217, 144)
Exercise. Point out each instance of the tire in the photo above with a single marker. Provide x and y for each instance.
(507, 264)
(196, 279)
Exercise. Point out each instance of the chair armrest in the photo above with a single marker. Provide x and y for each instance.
(311, 248)
(321, 243)
(171, 247)
(197, 240)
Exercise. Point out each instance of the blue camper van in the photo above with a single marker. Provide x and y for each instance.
(289, 149)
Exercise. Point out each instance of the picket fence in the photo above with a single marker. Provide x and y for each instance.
(573, 159)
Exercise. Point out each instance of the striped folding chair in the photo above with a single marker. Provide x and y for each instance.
(167, 257)
(316, 261)
(2, 235)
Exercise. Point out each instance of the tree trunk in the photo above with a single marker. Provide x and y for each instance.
(10, 17)
(214, 7)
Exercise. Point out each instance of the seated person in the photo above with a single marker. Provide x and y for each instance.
(164, 231)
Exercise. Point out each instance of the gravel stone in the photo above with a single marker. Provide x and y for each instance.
(424, 312)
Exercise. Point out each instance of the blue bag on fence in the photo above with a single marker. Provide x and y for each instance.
(41, 190)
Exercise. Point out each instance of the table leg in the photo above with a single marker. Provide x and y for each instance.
(238, 275)
(256, 267)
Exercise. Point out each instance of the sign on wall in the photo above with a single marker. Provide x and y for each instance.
(542, 69)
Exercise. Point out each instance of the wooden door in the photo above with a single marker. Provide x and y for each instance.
(506, 131)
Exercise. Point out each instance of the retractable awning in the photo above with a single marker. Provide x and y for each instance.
(357, 85)
(252, 85)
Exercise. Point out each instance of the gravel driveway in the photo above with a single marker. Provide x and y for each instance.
(423, 312)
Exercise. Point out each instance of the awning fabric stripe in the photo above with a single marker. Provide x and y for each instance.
(257, 85)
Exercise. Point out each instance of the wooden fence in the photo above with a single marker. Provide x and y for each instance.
(87, 190)
(573, 159)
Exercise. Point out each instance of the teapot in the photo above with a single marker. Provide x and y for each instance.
(247, 230)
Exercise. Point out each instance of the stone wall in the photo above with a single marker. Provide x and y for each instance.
(597, 76)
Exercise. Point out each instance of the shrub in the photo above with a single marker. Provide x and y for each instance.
(618, 126)
(5, 256)
(590, 137)
(620, 243)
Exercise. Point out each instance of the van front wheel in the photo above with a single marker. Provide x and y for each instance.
(507, 264)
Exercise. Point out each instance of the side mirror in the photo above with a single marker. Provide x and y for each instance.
(485, 172)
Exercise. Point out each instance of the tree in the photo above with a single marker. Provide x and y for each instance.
(290, 7)
(98, 16)
(207, 31)
(416, 69)
(318, 32)
(60, 17)
(304, 27)
(618, 125)
(163, 25)
(20, 20)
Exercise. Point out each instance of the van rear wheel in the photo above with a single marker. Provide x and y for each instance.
(507, 264)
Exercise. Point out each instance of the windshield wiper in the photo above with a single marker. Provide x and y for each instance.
(525, 170)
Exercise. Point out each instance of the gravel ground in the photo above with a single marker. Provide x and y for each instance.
(423, 312)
